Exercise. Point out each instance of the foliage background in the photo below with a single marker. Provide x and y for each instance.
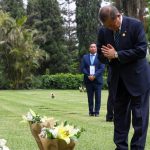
(52, 39)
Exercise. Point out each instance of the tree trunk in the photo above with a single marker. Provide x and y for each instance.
(133, 8)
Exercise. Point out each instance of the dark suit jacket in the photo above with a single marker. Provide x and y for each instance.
(85, 68)
(132, 66)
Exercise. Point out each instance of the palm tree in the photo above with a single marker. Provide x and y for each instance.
(19, 55)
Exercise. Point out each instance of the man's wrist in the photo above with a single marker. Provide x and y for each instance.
(116, 55)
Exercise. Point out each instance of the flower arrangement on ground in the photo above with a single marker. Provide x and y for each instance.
(36, 123)
(50, 135)
(61, 137)
(3, 144)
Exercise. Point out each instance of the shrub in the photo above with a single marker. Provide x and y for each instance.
(57, 81)
(65, 81)
(4, 83)
(62, 81)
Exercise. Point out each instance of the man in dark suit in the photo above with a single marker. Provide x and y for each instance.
(122, 44)
(110, 99)
(93, 80)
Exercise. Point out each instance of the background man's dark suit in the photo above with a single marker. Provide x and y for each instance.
(93, 87)
(110, 99)
(130, 82)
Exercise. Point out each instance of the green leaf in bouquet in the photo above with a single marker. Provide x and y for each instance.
(32, 112)
(79, 133)
(65, 123)
(49, 134)
(37, 119)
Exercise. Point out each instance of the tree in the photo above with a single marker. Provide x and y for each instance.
(19, 55)
(14, 7)
(127, 7)
(69, 24)
(68, 13)
(46, 18)
(87, 23)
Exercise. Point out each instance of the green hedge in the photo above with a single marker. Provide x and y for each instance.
(62, 81)
(57, 81)
(65, 81)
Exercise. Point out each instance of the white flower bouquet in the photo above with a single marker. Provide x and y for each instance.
(3, 144)
(50, 135)
(36, 123)
(60, 137)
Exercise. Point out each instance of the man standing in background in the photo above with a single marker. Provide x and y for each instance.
(93, 79)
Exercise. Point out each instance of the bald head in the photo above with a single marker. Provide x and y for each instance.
(108, 12)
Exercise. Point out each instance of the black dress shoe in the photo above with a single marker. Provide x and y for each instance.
(91, 114)
(109, 120)
(96, 115)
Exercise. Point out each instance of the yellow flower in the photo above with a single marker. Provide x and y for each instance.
(63, 134)
(66, 132)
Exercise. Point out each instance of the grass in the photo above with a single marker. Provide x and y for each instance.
(68, 105)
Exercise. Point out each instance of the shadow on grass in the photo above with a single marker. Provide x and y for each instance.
(72, 113)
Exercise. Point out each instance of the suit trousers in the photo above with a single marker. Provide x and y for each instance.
(110, 104)
(94, 89)
(125, 106)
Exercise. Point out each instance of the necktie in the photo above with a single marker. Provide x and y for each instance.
(116, 39)
(92, 59)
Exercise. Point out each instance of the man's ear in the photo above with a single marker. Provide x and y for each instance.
(118, 15)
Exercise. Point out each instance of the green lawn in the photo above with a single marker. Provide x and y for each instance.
(68, 105)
